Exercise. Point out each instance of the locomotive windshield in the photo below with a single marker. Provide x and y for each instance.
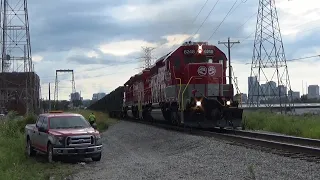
(198, 59)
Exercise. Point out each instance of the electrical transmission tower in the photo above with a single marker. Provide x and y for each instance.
(19, 85)
(147, 57)
(56, 87)
(269, 80)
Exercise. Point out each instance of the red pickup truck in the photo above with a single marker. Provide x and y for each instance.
(63, 134)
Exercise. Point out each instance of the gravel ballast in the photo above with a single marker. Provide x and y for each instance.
(137, 151)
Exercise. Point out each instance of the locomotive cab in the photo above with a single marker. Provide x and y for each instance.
(207, 99)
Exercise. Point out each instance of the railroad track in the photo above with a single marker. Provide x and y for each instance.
(288, 146)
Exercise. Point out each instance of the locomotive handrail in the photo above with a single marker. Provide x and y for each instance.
(180, 81)
(179, 91)
(200, 77)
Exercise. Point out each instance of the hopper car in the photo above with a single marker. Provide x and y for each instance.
(185, 87)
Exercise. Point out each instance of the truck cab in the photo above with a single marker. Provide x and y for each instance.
(63, 134)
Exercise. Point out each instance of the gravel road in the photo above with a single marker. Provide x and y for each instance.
(137, 151)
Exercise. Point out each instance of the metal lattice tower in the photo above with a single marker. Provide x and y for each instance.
(16, 56)
(15, 37)
(56, 87)
(269, 80)
(147, 58)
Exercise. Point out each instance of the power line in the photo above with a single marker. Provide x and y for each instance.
(205, 18)
(194, 20)
(194, 33)
(307, 57)
(223, 20)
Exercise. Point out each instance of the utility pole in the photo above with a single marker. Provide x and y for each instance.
(49, 97)
(229, 45)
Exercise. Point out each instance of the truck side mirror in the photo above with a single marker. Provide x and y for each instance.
(41, 129)
(94, 125)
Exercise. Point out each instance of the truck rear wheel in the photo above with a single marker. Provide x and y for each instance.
(30, 151)
(96, 158)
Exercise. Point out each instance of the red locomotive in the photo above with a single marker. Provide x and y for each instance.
(187, 86)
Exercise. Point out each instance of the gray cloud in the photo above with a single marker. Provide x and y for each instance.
(106, 59)
(59, 26)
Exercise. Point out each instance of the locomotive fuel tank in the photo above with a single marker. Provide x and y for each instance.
(130, 114)
(157, 115)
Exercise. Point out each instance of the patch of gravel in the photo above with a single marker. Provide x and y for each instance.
(137, 151)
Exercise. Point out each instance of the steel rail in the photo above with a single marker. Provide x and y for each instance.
(278, 137)
(296, 145)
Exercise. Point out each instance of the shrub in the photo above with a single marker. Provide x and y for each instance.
(103, 120)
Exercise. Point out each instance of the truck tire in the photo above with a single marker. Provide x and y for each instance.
(96, 158)
(50, 156)
(30, 151)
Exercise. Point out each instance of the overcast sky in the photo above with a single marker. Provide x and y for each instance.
(100, 40)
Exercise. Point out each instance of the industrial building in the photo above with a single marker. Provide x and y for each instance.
(19, 91)
(97, 96)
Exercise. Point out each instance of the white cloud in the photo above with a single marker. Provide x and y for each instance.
(297, 16)
(123, 48)
(178, 39)
(37, 58)
(149, 12)
(91, 54)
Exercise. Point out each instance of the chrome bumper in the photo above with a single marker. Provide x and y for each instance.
(77, 150)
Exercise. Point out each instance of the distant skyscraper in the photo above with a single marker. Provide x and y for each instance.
(295, 94)
(253, 89)
(75, 96)
(313, 91)
(272, 89)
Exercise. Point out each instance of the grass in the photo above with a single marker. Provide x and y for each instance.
(102, 119)
(307, 126)
(14, 164)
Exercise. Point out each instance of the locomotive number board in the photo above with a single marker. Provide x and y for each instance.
(193, 51)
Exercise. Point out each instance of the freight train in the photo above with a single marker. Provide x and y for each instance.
(185, 87)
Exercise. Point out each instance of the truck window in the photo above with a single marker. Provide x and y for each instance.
(68, 122)
(40, 121)
(45, 123)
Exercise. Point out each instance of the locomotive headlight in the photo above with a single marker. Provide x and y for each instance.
(228, 103)
(198, 103)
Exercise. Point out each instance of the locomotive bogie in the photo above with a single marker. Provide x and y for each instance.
(213, 112)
